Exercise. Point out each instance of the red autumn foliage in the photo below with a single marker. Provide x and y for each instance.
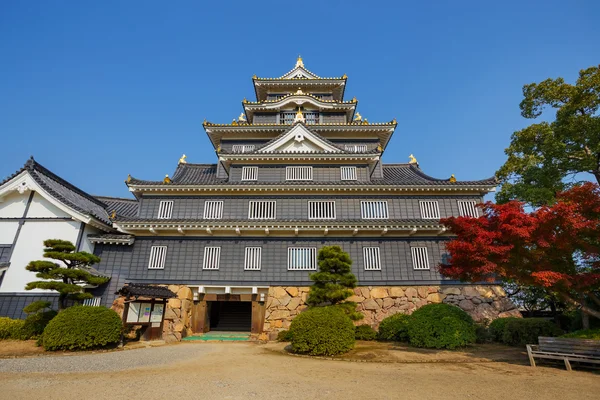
(556, 247)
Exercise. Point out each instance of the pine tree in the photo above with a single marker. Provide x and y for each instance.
(67, 279)
(334, 279)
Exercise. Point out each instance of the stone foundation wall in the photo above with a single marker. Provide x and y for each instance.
(482, 302)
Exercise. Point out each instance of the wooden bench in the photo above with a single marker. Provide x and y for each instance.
(566, 349)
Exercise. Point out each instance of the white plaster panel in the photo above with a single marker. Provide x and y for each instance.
(30, 247)
(8, 229)
(42, 208)
(86, 245)
(13, 205)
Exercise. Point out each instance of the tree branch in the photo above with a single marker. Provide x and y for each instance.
(594, 298)
(584, 308)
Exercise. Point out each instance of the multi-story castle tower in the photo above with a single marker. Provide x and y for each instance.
(299, 169)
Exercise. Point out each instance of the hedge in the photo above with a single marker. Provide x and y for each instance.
(35, 324)
(364, 332)
(11, 328)
(584, 334)
(394, 328)
(322, 331)
(441, 326)
(519, 332)
(82, 327)
(496, 328)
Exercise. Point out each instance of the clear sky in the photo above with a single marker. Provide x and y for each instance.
(97, 90)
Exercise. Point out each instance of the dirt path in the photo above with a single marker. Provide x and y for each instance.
(243, 371)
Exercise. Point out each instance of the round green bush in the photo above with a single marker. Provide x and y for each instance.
(36, 323)
(522, 331)
(322, 331)
(364, 332)
(284, 336)
(11, 328)
(441, 326)
(394, 327)
(82, 327)
(496, 328)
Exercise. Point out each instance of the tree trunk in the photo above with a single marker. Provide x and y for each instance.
(62, 300)
(586, 311)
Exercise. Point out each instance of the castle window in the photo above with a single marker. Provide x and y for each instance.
(252, 258)
(93, 302)
(419, 258)
(468, 208)
(249, 173)
(356, 148)
(374, 209)
(312, 118)
(158, 255)
(372, 258)
(213, 209)
(302, 258)
(429, 209)
(242, 148)
(321, 209)
(262, 209)
(298, 174)
(348, 173)
(212, 257)
(165, 209)
(287, 117)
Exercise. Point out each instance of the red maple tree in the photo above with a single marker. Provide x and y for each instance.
(556, 247)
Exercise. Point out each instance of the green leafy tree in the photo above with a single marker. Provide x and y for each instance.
(66, 279)
(334, 281)
(548, 157)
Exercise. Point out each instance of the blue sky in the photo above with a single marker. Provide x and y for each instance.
(97, 90)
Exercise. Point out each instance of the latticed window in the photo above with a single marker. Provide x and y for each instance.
(213, 209)
(287, 117)
(429, 209)
(165, 210)
(212, 257)
(374, 209)
(348, 173)
(249, 173)
(242, 148)
(372, 258)
(321, 209)
(419, 257)
(468, 208)
(298, 173)
(158, 255)
(262, 209)
(252, 258)
(312, 118)
(356, 148)
(302, 258)
(93, 302)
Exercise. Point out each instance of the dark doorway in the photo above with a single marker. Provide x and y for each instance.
(231, 316)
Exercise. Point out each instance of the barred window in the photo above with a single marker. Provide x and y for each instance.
(419, 257)
(93, 302)
(287, 117)
(372, 258)
(165, 209)
(312, 118)
(212, 256)
(252, 258)
(158, 255)
(302, 258)
(468, 208)
(262, 209)
(249, 173)
(374, 209)
(348, 173)
(429, 209)
(321, 209)
(242, 148)
(298, 173)
(356, 148)
(213, 209)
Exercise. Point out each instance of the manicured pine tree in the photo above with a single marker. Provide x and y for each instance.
(67, 280)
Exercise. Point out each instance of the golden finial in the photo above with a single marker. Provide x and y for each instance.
(299, 91)
(394, 121)
(234, 122)
(244, 101)
(167, 179)
(242, 118)
(128, 178)
(182, 159)
(357, 117)
(452, 178)
(204, 122)
(299, 117)
(344, 76)
(354, 100)
(113, 215)
(299, 62)
(254, 76)
(379, 148)
(365, 122)
(412, 160)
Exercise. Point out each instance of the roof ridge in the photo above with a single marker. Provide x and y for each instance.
(292, 126)
(116, 198)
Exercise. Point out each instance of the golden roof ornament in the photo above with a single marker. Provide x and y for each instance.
(379, 148)
(344, 76)
(412, 160)
(299, 62)
(113, 215)
(452, 178)
(242, 118)
(128, 178)
(357, 117)
(299, 91)
(182, 159)
(394, 121)
(244, 101)
(167, 179)
(354, 99)
(365, 122)
(254, 76)
(218, 148)
(299, 117)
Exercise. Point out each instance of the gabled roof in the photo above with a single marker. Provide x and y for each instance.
(300, 135)
(298, 72)
(120, 206)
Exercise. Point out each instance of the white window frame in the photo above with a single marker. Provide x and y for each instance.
(348, 173)
(249, 173)
(213, 209)
(302, 262)
(430, 209)
(242, 148)
(212, 258)
(93, 302)
(356, 148)
(372, 258)
(165, 209)
(158, 256)
(468, 208)
(374, 209)
(321, 209)
(420, 258)
(266, 210)
(299, 173)
(252, 258)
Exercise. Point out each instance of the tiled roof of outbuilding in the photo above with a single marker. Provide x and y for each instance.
(142, 290)
(124, 207)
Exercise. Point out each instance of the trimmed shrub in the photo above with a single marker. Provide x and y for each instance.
(322, 331)
(36, 323)
(364, 332)
(519, 332)
(82, 327)
(496, 328)
(395, 328)
(584, 334)
(11, 328)
(284, 336)
(441, 326)
(482, 333)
